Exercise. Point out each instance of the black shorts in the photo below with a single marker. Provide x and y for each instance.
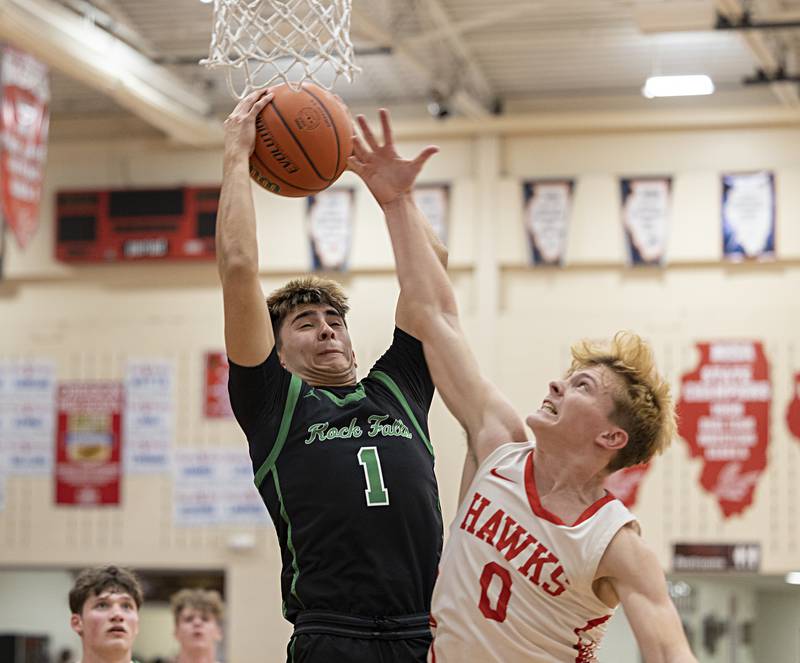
(322, 637)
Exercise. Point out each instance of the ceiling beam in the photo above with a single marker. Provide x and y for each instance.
(367, 29)
(477, 82)
(787, 93)
(87, 53)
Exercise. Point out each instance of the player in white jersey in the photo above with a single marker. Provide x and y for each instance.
(539, 554)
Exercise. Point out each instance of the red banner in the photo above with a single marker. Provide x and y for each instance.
(723, 414)
(216, 402)
(793, 411)
(88, 443)
(24, 122)
(624, 483)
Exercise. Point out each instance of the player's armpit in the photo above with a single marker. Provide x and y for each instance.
(633, 570)
(248, 331)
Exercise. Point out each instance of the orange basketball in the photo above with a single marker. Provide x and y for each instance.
(303, 139)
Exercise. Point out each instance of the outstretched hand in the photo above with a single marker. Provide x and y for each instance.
(387, 175)
(240, 125)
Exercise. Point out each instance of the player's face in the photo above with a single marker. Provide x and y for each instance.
(108, 624)
(315, 342)
(577, 408)
(197, 630)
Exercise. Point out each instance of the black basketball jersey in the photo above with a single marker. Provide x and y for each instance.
(347, 476)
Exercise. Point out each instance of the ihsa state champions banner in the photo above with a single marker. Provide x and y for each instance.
(646, 204)
(723, 414)
(546, 214)
(433, 201)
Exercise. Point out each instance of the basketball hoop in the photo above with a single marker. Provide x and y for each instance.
(261, 41)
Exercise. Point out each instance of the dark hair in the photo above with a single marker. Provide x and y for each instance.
(307, 290)
(91, 582)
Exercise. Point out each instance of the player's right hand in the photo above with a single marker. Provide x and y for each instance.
(240, 125)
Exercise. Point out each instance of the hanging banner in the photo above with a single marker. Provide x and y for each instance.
(330, 229)
(748, 216)
(624, 483)
(723, 414)
(547, 209)
(27, 415)
(88, 443)
(24, 122)
(148, 430)
(216, 403)
(215, 487)
(434, 202)
(793, 411)
(646, 204)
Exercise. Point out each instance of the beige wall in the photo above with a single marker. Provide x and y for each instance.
(91, 319)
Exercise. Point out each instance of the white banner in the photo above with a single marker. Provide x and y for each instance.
(748, 216)
(548, 205)
(330, 228)
(646, 205)
(28, 414)
(434, 202)
(215, 487)
(148, 424)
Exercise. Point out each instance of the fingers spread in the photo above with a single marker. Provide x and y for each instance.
(426, 154)
(387, 126)
(367, 132)
(359, 151)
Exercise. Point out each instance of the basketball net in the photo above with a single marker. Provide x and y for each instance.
(262, 41)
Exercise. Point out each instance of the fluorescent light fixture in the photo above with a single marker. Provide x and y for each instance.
(677, 86)
(793, 578)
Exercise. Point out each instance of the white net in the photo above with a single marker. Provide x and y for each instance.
(263, 41)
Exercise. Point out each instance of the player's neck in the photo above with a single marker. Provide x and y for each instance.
(196, 656)
(317, 378)
(91, 656)
(568, 476)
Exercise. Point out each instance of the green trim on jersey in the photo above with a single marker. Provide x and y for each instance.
(392, 386)
(358, 395)
(283, 431)
(289, 543)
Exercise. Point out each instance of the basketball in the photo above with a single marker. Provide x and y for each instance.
(303, 139)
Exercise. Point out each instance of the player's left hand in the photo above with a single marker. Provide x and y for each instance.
(387, 175)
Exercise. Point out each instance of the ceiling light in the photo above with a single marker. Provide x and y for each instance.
(677, 86)
(793, 578)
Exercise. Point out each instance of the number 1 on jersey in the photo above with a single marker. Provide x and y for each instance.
(376, 492)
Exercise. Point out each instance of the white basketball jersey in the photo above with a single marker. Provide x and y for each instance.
(515, 582)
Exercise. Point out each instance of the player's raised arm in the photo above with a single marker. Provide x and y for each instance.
(633, 571)
(428, 308)
(248, 333)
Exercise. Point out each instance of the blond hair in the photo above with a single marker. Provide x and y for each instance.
(205, 601)
(643, 407)
(306, 290)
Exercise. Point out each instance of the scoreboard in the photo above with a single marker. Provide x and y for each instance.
(121, 225)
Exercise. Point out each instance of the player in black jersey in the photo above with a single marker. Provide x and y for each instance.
(345, 467)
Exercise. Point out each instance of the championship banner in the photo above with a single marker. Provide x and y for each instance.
(723, 414)
(88, 443)
(330, 229)
(793, 411)
(216, 403)
(27, 415)
(434, 202)
(624, 483)
(149, 416)
(748, 216)
(215, 487)
(24, 123)
(547, 209)
(646, 204)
